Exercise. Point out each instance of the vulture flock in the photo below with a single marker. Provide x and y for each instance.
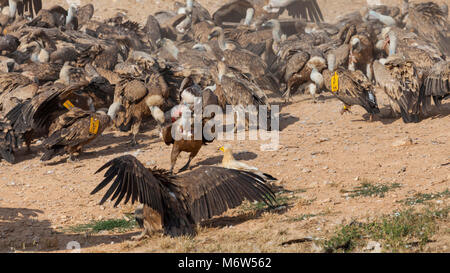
(65, 78)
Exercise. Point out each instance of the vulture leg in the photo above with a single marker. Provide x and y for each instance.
(185, 167)
(191, 156)
(145, 232)
(173, 157)
(369, 72)
(134, 131)
(72, 158)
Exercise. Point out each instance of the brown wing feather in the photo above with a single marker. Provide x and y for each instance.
(233, 11)
(304, 9)
(147, 188)
(218, 189)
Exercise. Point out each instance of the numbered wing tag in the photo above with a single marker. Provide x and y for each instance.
(69, 105)
(93, 129)
(335, 82)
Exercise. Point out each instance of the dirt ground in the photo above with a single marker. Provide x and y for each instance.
(322, 154)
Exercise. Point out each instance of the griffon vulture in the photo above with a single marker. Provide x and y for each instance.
(177, 203)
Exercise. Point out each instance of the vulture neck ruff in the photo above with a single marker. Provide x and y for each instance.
(249, 16)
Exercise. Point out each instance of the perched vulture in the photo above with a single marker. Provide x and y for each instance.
(179, 202)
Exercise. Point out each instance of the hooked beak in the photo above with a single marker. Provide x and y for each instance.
(386, 43)
(345, 109)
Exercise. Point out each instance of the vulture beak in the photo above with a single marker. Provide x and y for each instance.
(386, 43)
(345, 109)
(212, 35)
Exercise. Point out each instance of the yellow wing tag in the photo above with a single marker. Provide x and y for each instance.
(93, 128)
(335, 82)
(68, 104)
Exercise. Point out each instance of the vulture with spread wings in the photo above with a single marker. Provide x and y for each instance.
(235, 10)
(179, 202)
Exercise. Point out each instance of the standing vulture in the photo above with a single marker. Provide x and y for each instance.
(353, 87)
(76, 129)
(179, 202)
(399, 79)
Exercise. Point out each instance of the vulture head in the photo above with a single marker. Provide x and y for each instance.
(390, 39)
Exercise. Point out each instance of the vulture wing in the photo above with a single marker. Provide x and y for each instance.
(306, 9)
(209, 191)
(134, 180)
(234, 12)
(85, 13)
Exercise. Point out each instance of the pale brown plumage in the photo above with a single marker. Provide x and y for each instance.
(140, 98)
(399, 80)
(178, 203)
(14, 89)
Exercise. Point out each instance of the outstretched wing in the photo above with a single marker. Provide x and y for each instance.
(210, 191)
(133, 180)
(306, 9)
(233, 11)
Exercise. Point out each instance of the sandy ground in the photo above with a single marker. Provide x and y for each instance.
(321, 154)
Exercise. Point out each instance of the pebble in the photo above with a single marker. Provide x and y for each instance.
(403, 142)
(306, 170)
(373, 247)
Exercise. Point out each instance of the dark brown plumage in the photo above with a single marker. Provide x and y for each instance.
(437, 84)
(75, 129)
(8, 141)
(353, 87)
(181, 201)
(234, 11)
(182, 142)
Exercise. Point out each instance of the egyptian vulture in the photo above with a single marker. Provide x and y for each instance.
(228, 161)
(178, 203)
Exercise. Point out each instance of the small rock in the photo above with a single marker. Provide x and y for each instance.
(356, 178)
(403, 142)
(373, 247)
(306, 170)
